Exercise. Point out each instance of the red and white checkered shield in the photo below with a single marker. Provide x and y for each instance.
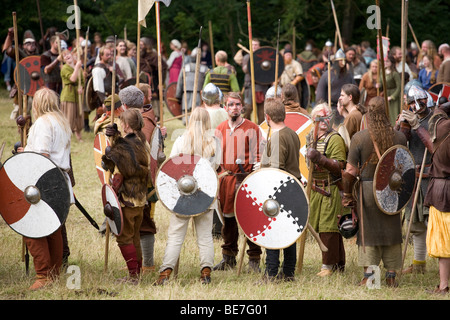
(271, 208)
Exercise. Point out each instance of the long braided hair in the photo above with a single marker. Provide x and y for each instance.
(380, 128)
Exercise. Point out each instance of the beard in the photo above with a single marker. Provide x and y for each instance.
(234, 117)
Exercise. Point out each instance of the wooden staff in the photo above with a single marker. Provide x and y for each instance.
(414, 35)
(383, 72)
(337, 25)
(294, 46)
(252, 64)
(277, 58)
(184, 91)
(403, 46)
(113, 92)
(138, 53)
(77, 27)
(413, 209)
(197, 70)
(40, 25)
(16, 52)
(160, 85)
(125, 33)
(211, 44)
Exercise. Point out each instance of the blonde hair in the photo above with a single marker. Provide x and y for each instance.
(198, 137)
(319, 108)
(46, 102)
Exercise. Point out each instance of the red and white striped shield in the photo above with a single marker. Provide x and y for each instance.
(187, 185)
(34, 195)
(302, 125)
(115, 224)
(271, 208)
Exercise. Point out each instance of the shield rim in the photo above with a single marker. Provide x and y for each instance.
(156, 130)
(107, 143)
(89, 88)
(377, 169)
(119, 206)
(280, 63)
(296, 113)
(16, 70)
(68, 189)
(304, 192)
(435, 85)
(173, 84)
(176, 213)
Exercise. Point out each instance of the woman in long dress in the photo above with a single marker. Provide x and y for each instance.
(71, 92)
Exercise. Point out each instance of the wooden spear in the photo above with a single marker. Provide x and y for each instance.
(277, 58)
(383, 72)
(211, 43)
(337, 25)
(252, 64)
(160, 85)
(77, 28)
(403, 46)
(197, 70)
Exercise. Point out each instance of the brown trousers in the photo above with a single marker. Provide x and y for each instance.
(132, 220)
(336, 251)
(230, 235)
(47, 254)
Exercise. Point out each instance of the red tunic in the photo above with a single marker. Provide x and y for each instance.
(244, 143)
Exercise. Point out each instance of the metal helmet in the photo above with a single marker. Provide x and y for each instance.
(210, 94)
(347, 227)
(415, 93)
(340, 55)
(270, 93)
(408, 86)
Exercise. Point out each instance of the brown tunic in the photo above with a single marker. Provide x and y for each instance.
(380, 229)
(438, 193)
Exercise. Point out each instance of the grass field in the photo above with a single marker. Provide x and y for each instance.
(88, 254)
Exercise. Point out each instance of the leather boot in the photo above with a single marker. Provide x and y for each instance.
(163, 277)
(205, 275)
(390, 280)
(129, 254)
(41, 282)
(253, 265)
(228, 262)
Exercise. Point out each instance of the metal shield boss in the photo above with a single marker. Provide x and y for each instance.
(264, 64)
(173, 104)
(394, 180)
(187, 185)
(31, 78)
(34, 195)
(115, 224)
(271, 207)
(101, 141)
(302, 125)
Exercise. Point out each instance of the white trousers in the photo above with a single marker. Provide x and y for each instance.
(177, 232)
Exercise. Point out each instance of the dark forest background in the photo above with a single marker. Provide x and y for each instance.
(183, 18)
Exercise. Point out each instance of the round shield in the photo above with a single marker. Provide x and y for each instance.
(441, 88)
(101, 141)
(116, 224)
(173, 104)
(264, 63)
(187, 185)
(31, 78)
(271, 208)
(144, 77)
(302, 125)
(91, 97)
(394, 179)
(34, 195)
(155, 149)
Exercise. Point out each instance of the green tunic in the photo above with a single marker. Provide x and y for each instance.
(324, 210)
(69, 92)
(393, 90)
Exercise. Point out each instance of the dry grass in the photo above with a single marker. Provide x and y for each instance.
(88, 251)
